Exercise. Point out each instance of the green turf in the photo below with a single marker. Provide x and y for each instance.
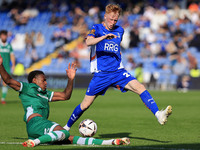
(117, 115)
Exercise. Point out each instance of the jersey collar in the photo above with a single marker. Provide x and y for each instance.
(39, 89)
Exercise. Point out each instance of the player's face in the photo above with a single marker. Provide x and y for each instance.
(3, 38)
(40, 80)
(111, 20)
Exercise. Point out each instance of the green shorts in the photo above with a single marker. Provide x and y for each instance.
(39, 126)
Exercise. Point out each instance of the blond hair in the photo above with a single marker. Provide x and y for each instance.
(113, 8)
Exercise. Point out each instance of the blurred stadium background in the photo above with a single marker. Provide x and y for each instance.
(161, 43)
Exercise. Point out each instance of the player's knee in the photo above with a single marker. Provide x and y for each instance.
(141, 89)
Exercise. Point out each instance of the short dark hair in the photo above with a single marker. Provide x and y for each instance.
(33, 74)
(3, 32)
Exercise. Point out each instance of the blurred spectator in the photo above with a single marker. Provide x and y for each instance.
(146, 50)
(139, 73)
(11, 37)
(134, 38)
(59, 35)
(53, 20)
(79, 25)
(81, 51)
(183, 84)
(63, 7)
(30, 12)
(29, 41)
(18, 18)
(181, 66)
(60, 60)
(164, 77)
(18, 43)
(68, 34)
(192, 61)
(159, 19)
(77, 62)
(34, 56)
(39, 39)
(131, 65)
(151, 37)
(63, 53)
(195, 41)
(31, 53)
(94, 13)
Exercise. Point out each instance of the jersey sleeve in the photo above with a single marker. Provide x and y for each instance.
(50, 95)
(11, 50)
(23, 88)
(93, 31)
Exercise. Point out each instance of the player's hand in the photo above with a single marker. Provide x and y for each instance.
(1, 60)
(110, 36)
(71, 71)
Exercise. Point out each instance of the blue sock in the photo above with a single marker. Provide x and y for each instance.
(149, 101)
(75, 115)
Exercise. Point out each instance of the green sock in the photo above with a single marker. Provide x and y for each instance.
(53, 136)
(87, 141)
(4, 92)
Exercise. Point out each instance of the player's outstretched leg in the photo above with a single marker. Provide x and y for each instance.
(93, 141)
(50, 137)
(74, 116)
(151, 104)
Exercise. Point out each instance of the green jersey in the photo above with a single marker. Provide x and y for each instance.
(5, 51)
(34, 100)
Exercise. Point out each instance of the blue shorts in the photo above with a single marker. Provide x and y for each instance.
(103, 80)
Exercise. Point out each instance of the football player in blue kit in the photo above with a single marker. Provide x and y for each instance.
(106, 65)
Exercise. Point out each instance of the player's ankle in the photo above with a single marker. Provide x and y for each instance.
(66, 127)
(37, 142)
(157, 114)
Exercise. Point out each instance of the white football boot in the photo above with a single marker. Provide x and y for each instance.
(162, 115)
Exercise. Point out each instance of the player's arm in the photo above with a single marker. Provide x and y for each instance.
(7, 78)
(12, 58)
(66, 94)
(90, 40)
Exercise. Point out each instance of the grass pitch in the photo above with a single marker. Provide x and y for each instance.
(117, 115)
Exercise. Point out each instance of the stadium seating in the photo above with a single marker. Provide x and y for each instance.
(40, 23)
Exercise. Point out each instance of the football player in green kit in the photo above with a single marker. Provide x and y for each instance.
(35, 97)
(6, 52)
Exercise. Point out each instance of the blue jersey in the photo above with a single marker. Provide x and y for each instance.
(106, 56)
